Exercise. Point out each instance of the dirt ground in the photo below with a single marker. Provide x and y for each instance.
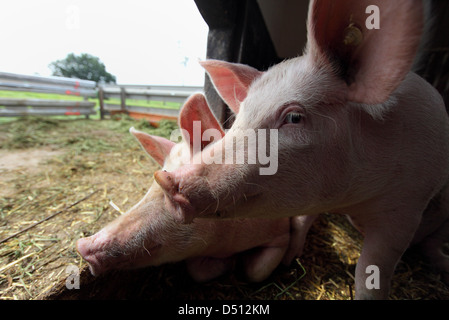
(45, 166)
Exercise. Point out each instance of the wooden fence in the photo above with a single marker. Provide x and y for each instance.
(128, 95)
(130, 99)
(11, 107)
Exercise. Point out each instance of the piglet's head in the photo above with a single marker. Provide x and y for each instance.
(147, 234)
(304, 112)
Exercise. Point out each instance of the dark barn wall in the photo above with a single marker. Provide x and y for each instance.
(432, 61)
(237, 33)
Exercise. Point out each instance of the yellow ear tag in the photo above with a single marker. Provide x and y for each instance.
(353, 36)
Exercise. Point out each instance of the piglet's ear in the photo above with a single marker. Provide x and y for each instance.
(371, 43)
(157, 147)
(195, 118)
(231, 80)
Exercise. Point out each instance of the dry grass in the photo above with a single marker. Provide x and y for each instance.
(102, 156)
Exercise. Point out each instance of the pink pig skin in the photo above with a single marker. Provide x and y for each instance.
(147, 235)
(370, 139)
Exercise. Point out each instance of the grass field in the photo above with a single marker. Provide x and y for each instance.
(46, 164)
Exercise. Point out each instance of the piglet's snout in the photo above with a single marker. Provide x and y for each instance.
(92, 253)
(177, 181)
(167, 181)
(187, 190)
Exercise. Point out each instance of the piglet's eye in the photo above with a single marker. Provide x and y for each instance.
(293, 117)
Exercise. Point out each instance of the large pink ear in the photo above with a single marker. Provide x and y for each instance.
(195, 118)
(157, 147)
(231, 80)
(373, 62)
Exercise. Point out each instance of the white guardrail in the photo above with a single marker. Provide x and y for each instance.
(10, 107)
(148, 93)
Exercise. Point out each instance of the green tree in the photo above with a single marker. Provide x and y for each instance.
(84, 66)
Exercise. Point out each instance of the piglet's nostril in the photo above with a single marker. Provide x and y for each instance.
(166, 181)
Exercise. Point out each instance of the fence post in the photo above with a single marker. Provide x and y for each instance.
(123, 99)
(101, 101)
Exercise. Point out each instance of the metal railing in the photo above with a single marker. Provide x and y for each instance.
(112, 98)
(124, 93)
(10, 107)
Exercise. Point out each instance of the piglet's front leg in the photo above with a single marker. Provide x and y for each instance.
(386, 239)
(299, 228)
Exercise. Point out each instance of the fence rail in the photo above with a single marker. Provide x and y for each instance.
(125, 94)
(147, 93)
(63, 86)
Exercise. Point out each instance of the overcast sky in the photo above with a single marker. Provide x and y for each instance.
(139, 41)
